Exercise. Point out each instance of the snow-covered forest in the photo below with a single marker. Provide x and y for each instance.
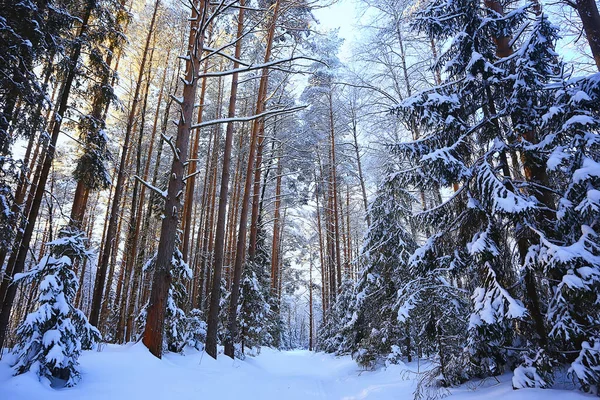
(208, 180)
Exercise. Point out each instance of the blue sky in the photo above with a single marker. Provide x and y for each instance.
(342, 14)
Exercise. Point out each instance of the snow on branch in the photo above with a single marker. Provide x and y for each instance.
(156, 190)
(255, 67)
(169, 140)
(278, 111)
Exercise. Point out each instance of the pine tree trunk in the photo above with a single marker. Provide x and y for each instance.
(324, 295)
(153, 333)
(191, 183)
(219, 241)
(335, 205)
(276, 229)
(108, 305)
(235, 212)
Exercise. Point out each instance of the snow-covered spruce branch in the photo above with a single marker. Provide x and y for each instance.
(156, 190)
(278, 111)
(256, 67)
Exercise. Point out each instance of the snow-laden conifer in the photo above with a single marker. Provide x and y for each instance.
(51, 339)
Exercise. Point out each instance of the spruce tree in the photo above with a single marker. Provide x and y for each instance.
(504, 113)
(387, 247)
(51, 339)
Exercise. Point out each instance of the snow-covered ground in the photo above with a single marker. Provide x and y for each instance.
(131, 373)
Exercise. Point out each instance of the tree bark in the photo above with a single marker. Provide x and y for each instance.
(257, 127)
(590, 18)
(153, 333)
(219, 241)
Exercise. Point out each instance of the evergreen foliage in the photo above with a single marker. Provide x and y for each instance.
(52, 337)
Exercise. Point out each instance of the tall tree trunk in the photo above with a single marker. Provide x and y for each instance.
(191, 183)
(219, 241)
(235, 208)
(108, 305)
(257, 127)
(153, 333)
(324, 294)
(590, 18)
(335, 205)
(276, 229)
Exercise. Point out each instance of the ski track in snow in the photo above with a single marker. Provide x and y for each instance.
(131, 372)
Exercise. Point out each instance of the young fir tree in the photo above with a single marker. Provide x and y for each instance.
(387, 247)
(51, 338)
(255, 317)
(254, 312)
(330, 338)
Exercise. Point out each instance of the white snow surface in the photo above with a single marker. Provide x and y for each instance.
(130, 372)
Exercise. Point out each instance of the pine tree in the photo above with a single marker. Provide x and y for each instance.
(51, 339)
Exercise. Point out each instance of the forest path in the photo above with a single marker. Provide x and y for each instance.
(130, 373)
